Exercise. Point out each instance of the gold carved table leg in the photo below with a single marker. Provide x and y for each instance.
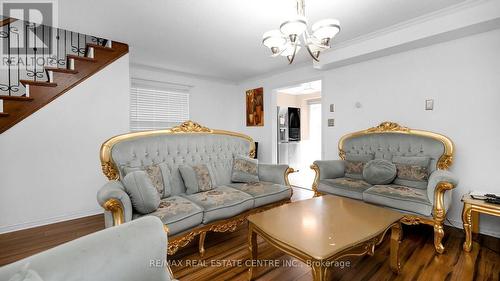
(396, 235)
(320, 272)
(252, 248)
(475, 222)
(201, 244)
(467, 221)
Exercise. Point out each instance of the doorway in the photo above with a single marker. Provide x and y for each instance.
(299, 130)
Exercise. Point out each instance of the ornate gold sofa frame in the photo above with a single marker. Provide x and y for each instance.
(443, 184)
(115, 210)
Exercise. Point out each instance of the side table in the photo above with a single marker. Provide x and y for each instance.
(470, 216)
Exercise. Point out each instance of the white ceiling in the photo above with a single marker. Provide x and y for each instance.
(222, 38)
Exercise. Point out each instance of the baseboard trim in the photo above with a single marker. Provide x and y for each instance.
(483, 229)
(51, 220)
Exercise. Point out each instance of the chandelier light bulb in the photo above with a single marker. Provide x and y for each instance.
(294, 27)
(326, 29)
(273, 39)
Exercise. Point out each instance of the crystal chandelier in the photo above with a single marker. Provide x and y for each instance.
(286, 41)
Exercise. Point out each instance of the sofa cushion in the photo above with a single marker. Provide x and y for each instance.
(379, 171)
(264, 192)
(245, 169)
(413, 171)
(178, 214)
(352, 188)
(400, 197)
(355, 163)
(143, 194)
(159, 174)
(197, 178)
(221, 202)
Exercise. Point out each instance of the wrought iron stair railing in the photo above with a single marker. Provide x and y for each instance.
(32, 54)
(28, 48)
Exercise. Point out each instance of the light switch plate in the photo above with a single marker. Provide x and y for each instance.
(331, 122)
(429, 104)
(332, 107)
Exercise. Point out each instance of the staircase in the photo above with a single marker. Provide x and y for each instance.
(63, 60)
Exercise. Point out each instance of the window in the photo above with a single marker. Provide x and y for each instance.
(157, 109)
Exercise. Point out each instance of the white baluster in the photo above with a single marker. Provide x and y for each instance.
(1, 106)
(71, 64)
(27, 90)
(90, 52)
(50, 75)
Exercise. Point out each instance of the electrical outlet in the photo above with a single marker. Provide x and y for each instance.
(331, 122)
(332, 107)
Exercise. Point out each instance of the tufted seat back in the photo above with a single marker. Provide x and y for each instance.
(216, 150)
(387, 145)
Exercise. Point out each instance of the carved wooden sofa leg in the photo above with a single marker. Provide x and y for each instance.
(440, 214)
(438, 237)
(201, 244)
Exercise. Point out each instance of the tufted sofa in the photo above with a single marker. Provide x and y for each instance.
(425, 203)
(189, 215)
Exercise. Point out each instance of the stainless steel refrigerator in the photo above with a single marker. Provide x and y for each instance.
(288, 135)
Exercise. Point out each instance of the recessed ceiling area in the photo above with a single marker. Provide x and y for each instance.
(303, 88)
(222, 38)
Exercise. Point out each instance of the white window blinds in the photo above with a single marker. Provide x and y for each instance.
(157, 109)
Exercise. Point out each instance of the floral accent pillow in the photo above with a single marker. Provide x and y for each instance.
(159, 174)
(355, 163)
(197, 178)
(354, 167)
(412, 171)
(245, 170)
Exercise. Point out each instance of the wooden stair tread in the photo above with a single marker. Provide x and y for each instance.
(61, 70)
(75, 57)
(100, 47)
(16, 98)
(3, 114)
(6, 21)
(38, 83)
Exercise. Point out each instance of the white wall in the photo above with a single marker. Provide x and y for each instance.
(211, 102)
(462, 76)
(50, 169)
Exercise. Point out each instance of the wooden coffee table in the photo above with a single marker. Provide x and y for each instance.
(322, 230)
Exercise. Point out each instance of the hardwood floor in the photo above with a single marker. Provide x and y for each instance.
(225, 250)
(24, 243)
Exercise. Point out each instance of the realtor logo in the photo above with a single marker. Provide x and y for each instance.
(34, 34)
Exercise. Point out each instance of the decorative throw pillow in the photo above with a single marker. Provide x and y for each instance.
(245, 169)
(379, 171)
(412, 171)
(354, 165)
(197, 178)
(160, 176)
(143, 194)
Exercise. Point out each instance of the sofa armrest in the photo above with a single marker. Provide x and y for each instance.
(326, 169)
(113, 198)
(275, 173)
(441, 181)
(330, 169)
(103, 255)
